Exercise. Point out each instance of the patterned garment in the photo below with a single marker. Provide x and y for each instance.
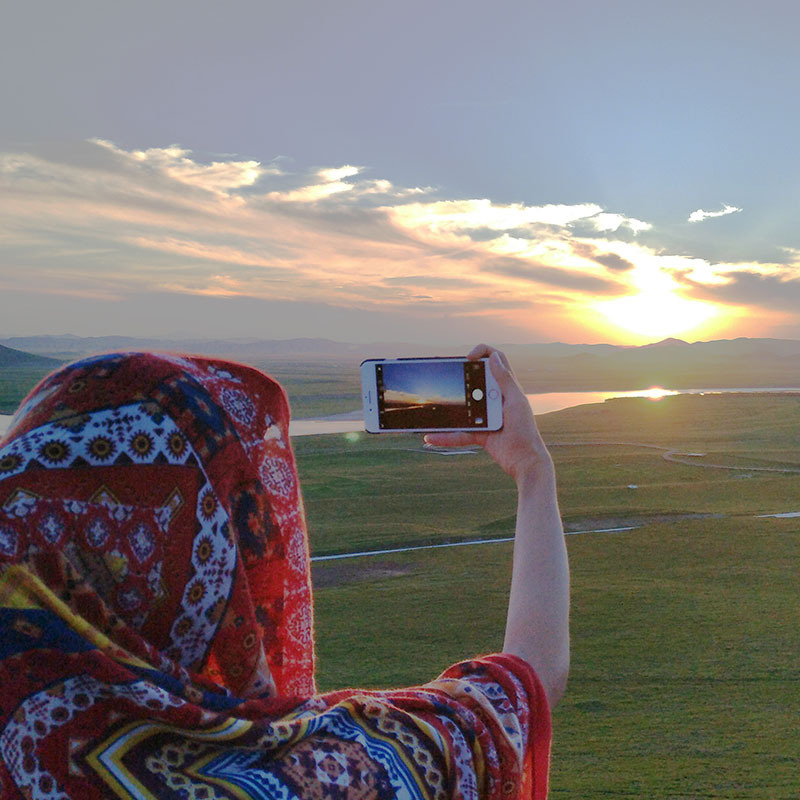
(156, 617)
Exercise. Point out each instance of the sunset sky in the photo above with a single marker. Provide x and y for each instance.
(370, 171)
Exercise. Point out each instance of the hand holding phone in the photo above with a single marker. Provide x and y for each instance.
(518, 448)
(430, 394)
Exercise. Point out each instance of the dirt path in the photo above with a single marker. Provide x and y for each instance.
(678, 456)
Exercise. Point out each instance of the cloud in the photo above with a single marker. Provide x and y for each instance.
(335, 174)
(191, 249)
(330, 181)
(218, 176)
(425, 280)
(612, 261)
(457, 216)
(610, 223)
(118, 223)
(552, 276)
(701, 216)
(778, 289)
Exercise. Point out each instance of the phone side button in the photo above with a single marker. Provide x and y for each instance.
(493, 394)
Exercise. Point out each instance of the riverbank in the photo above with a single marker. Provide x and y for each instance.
(542, 403)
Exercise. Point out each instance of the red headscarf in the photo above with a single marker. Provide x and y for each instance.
(157, 494)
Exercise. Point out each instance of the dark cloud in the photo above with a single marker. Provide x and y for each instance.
(774, 292)
(552, 276)
(611, 261)
(433, 281)
(353, 221)
(614, 262)
(395, 296)
(480, 303)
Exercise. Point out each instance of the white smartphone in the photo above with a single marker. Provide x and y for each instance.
(430, 394)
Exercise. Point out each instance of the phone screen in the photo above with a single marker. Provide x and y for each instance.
(431, 394)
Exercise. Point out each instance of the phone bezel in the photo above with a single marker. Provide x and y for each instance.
(369, 397)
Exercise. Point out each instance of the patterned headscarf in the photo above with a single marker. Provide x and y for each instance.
(156, 497)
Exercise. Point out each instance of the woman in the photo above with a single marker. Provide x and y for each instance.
(155, 607)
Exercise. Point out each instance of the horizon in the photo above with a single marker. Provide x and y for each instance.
(471, 185)
(666, 341)
(180, 337)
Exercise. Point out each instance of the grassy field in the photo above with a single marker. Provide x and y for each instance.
(15, 383)
(685, 631)
(316, 388)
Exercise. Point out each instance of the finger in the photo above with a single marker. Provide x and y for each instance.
(484, 351)
(504, 358)
(502, 371)
(455, 439)
(479, 351)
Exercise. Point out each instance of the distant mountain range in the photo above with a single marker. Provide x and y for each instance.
(672, 363)
(555, 366)
(68, 346)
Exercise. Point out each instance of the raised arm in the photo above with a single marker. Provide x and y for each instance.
(537, 627)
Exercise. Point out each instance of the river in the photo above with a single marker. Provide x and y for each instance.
(542, 403)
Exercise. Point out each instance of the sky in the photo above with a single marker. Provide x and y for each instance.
(370, 171)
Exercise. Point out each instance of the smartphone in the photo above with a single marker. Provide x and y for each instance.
(430, 394)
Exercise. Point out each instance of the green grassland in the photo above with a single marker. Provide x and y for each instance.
(16, 382)
(685, 631)
(316, 388)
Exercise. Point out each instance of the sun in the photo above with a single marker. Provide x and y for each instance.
(656, 310)
(657, 316)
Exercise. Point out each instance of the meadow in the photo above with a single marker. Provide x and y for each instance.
(685, 633)
(316, 388)
(16, 382)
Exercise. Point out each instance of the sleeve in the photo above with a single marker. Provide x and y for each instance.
(480, 731)
(507, 697)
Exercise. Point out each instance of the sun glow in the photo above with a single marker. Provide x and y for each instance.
(653, 393)
(657, 311)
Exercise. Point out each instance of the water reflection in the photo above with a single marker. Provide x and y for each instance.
(542, 403)
(557, 401)
(546, 402)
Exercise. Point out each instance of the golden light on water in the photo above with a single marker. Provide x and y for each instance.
(653, 393)
(656, 393)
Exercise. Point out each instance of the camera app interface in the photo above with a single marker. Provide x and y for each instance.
(432, 394)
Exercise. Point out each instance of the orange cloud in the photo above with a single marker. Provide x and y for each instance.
(162, 219)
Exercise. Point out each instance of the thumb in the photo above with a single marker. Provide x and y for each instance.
(455, 439)
(502, 374)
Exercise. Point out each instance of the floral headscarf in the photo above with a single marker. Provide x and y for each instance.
(157, 495)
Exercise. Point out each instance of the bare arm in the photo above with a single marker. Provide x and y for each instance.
(537, 627)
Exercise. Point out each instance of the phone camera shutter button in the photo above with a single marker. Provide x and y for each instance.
(477, 394)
